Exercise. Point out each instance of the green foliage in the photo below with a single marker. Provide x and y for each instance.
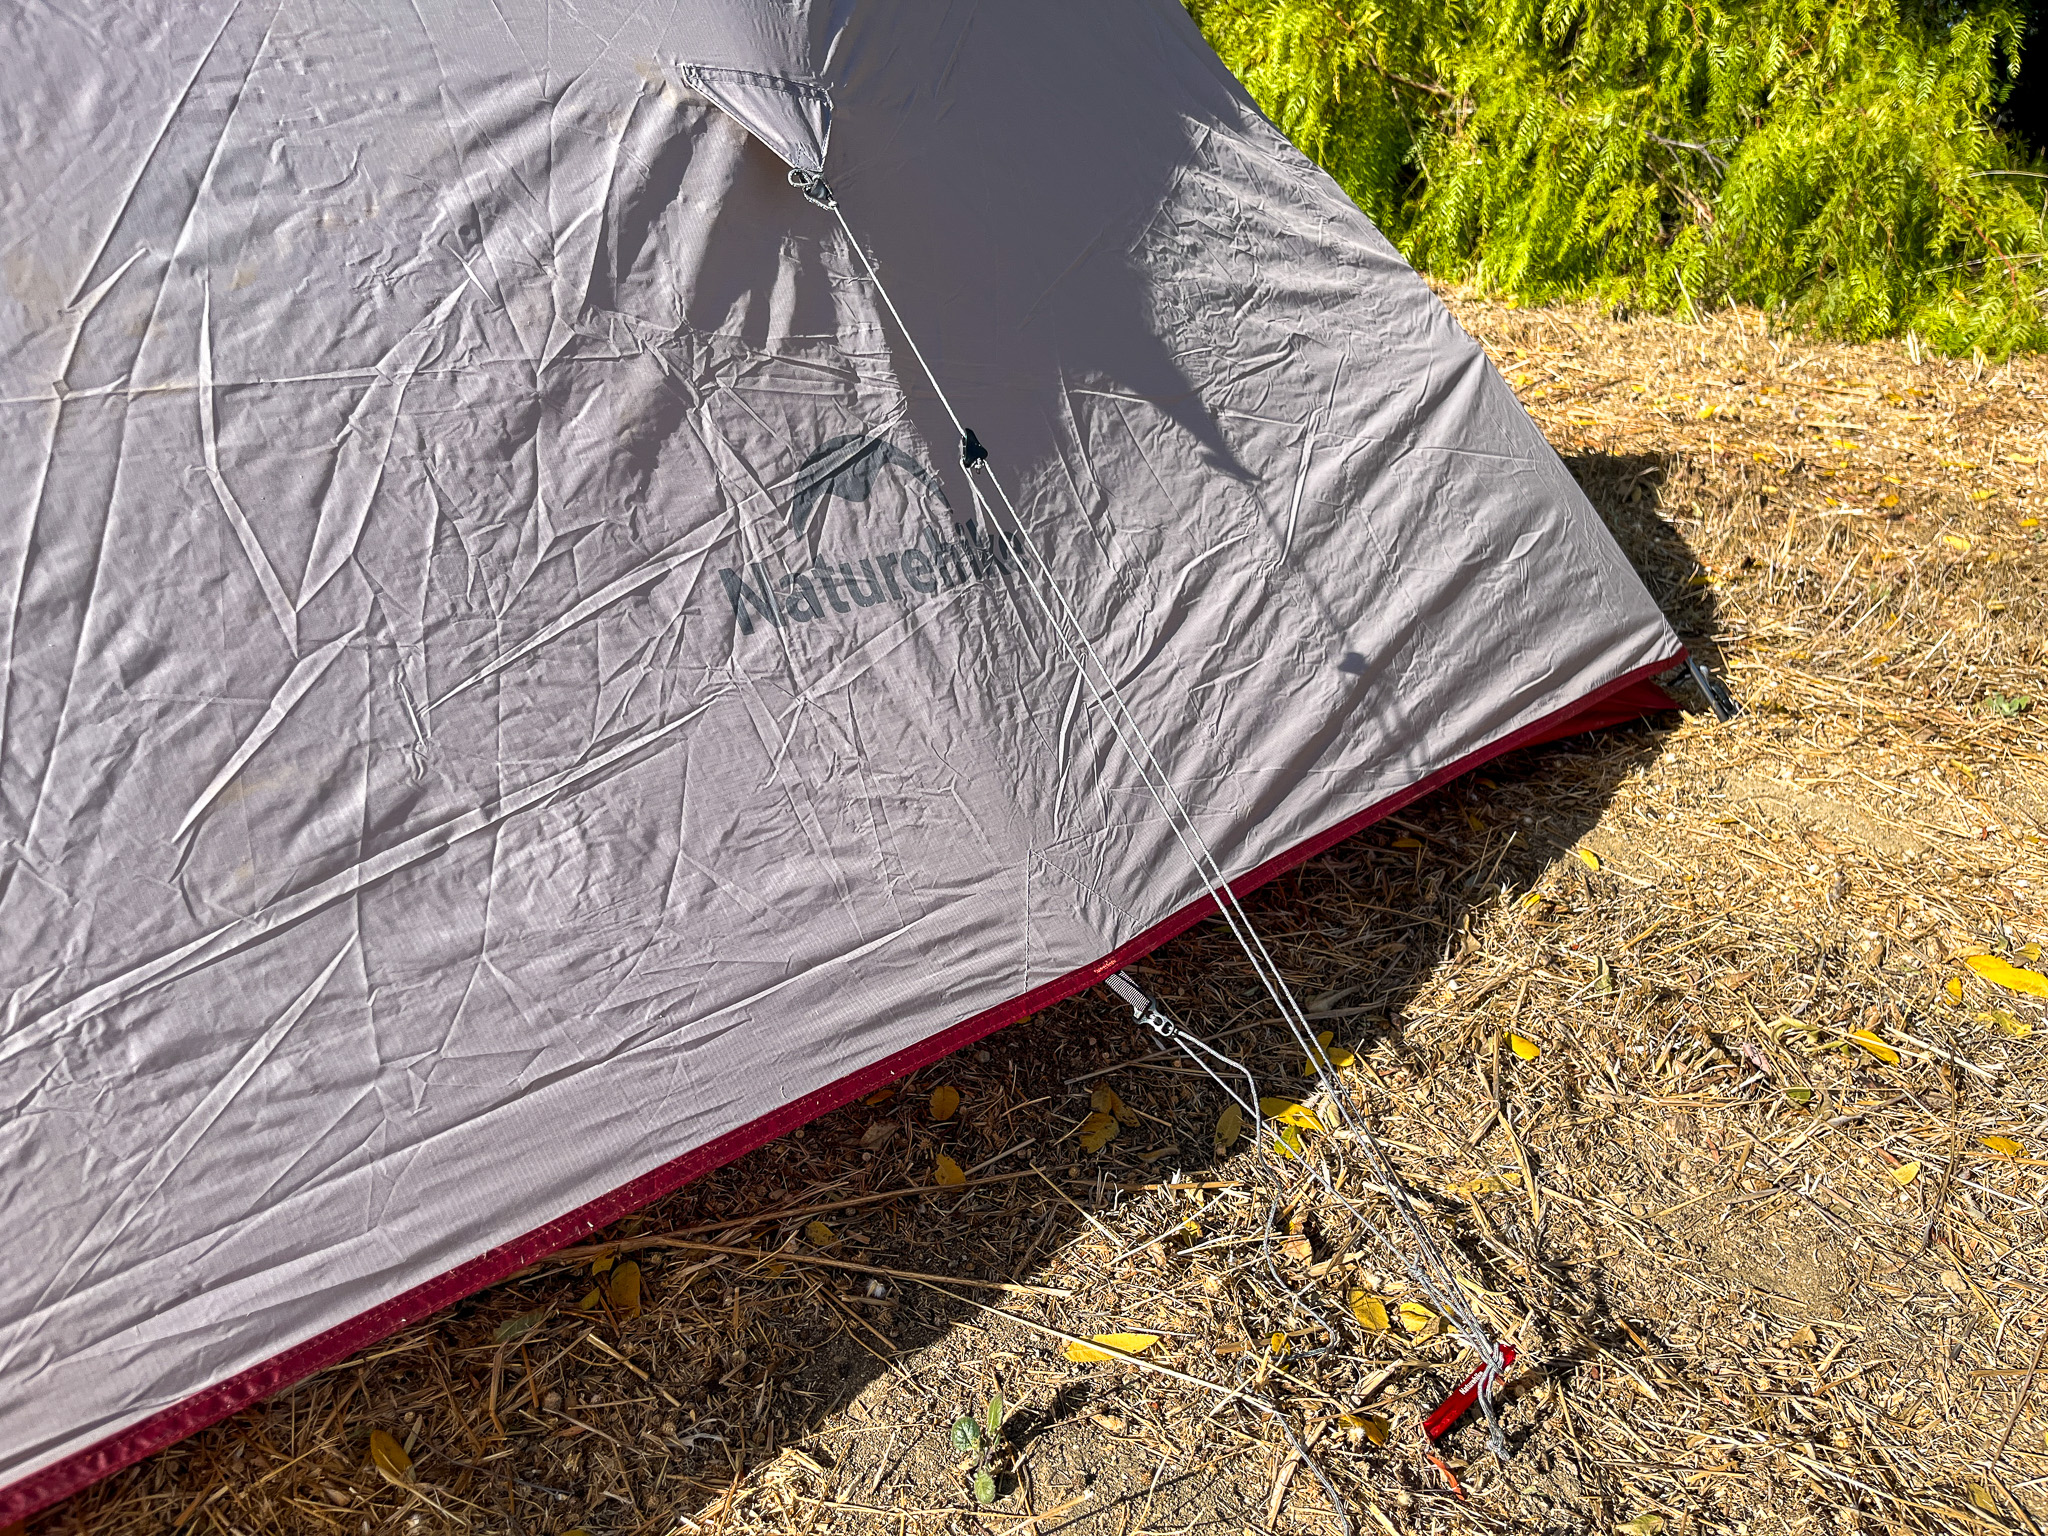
(1834, 161)
(970, 1437)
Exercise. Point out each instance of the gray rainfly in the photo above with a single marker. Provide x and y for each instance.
(508, 694)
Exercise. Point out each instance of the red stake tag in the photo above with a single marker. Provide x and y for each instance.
(1453, 1408)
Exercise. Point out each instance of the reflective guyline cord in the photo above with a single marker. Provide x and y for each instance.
(1427, 1266)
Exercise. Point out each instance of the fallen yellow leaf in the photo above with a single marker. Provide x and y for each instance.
(1406, 842)
(1485, 1184)
(1287, 1112)
(1289, 1141)
(1955, 541)
(590, 1300)
(1527, 1049)
(1129, 1343)
(2001, 973)
(946, 1171)
(1099, 1130)
(2003, 1144)
(1370, 1311)
(821, 1236)
(1105, 1102)
(945, 1103)
(1369, 1425)
(1954, 988)
(1417, 1318)
(1642, 1525)
(1872, 1042)
(1588, 857)
(603, 1262)
(625, 1289)
(1906, 1173)
(1278, 1345)
(2018, 1028)
(1327, 1056)
(1229, 1126)
(389, 1457)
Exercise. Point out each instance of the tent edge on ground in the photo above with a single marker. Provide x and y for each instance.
(1630, 696)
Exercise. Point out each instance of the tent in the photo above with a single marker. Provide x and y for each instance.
(509, 695)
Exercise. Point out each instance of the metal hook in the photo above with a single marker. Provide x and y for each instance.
(813, 187)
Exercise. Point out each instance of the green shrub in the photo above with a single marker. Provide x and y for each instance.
(1832, 161)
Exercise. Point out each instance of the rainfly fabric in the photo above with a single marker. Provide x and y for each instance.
(509, 699)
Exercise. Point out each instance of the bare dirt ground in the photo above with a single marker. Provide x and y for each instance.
(1677, 1035)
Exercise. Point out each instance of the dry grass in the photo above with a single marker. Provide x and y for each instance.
(1762, 1279)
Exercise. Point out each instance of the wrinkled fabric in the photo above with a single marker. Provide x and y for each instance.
(502, 678)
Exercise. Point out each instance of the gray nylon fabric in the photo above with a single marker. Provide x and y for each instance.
(503, 682)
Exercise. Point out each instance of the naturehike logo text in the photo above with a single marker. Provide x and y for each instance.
(849, 468)
(929, 566)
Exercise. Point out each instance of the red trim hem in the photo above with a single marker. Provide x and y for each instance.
(81, 1469)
